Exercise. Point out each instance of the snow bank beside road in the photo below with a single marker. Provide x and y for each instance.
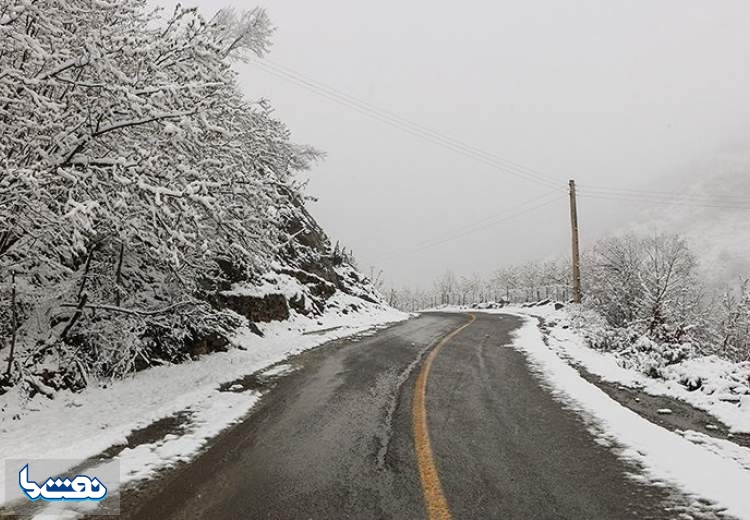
(664, 455)
(83, 425)
(722, 383)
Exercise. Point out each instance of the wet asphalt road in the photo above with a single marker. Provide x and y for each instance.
(335, 439)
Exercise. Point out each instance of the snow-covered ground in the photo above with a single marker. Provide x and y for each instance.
(723, 390)
(704, 467)
(83, 425)
(665, 456)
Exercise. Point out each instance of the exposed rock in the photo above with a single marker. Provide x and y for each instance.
(318, 286)
(298, 303)
(271, 307)
(207, 344)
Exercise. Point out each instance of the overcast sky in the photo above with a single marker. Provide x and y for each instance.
(648, 95)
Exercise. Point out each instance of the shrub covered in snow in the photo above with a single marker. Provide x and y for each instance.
(731, 322)
(683, 365)
(646, 282)
(638, 351)
(648, 292)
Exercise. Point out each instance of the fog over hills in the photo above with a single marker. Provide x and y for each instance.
(718, 228)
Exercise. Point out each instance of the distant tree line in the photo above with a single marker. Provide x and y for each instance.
(513, 284)
(640, 285)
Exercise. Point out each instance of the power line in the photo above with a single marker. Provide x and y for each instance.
(495, 161)
(293, 75)
(408, 126)
(470, 225)
(664, 194)
(661, 202)
(523, 209)
(435, 137)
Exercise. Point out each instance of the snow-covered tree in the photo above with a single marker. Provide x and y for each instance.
(135, 177)
(508, 279)
(732, 322)
(447, 287)
(646, 281)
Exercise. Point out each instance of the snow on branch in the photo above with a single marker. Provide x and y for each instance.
(132, 162)
(133, 312)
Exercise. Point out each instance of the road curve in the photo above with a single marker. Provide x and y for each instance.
(342, 437)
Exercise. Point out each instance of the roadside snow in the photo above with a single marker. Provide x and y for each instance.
(278, 370)
(700, 465)
(79, 426)
(664, 455)
(722, 382)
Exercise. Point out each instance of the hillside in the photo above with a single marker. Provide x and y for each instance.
(148, 210)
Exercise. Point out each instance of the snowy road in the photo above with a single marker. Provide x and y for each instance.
(336, 439)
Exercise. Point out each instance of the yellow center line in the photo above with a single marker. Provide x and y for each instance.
(435, 502)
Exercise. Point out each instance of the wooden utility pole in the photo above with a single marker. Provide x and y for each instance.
(574, 235)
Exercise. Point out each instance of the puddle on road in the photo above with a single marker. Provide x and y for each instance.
(258, 381)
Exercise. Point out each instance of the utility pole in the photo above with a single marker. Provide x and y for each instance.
(574, 235)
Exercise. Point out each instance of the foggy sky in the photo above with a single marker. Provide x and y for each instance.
(643, 95)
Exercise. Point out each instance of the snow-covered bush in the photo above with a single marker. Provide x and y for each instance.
(731, 322)
(135, 178)
(647, 291)
(654, 313)
(648, 287)
(649, 283)
(648, 356)
(632, 346)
